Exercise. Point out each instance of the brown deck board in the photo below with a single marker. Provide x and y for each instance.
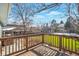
(45, 51)
(41, 50)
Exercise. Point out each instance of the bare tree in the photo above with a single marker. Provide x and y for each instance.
(23, 12)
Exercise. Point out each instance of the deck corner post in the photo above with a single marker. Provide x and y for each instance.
(42, 38)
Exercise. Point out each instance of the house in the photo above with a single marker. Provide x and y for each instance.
(61, 28)
(11, 29)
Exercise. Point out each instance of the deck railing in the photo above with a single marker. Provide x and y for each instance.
(12, 45)
(65, 43)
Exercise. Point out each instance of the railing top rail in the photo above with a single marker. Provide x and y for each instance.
(29, 35)
(64, 34)
(20, 36)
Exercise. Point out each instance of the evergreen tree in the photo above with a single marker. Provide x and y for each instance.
(61, 22)
(1, 24)
(53, 21)
(68, 25)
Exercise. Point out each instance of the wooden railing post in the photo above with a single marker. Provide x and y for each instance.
(27, 43)
(60, 43)
(42, 38)
(1, 49)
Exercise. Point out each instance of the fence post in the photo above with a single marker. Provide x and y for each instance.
(27, 43)
(42, 38)
(60, 43)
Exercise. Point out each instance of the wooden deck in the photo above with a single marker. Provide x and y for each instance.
(42, 50)
(33, 45)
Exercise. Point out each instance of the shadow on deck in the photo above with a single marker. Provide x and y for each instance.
(41, 50)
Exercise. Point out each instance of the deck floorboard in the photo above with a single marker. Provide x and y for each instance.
(43, 51)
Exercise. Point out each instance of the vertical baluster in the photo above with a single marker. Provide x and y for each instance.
(64, 40)
(21, 43)
(24, 40)
(75, 45)
(5, 46)
(53, 41)
(50, 40)
(16, 45)
(42, 38)
(5, 50)
(68, 44)
(57, 42)
(27, 43)
(63, 43)
(13, 45)
(35, 40)
(31, 40)
(9, 49)
(10, 45)
(1, 48)
(72, 44)
(46, 39)
(60, 43)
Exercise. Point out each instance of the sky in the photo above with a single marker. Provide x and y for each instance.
(46, 16)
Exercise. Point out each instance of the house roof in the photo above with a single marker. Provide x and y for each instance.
(8, 28)
(61, 25)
